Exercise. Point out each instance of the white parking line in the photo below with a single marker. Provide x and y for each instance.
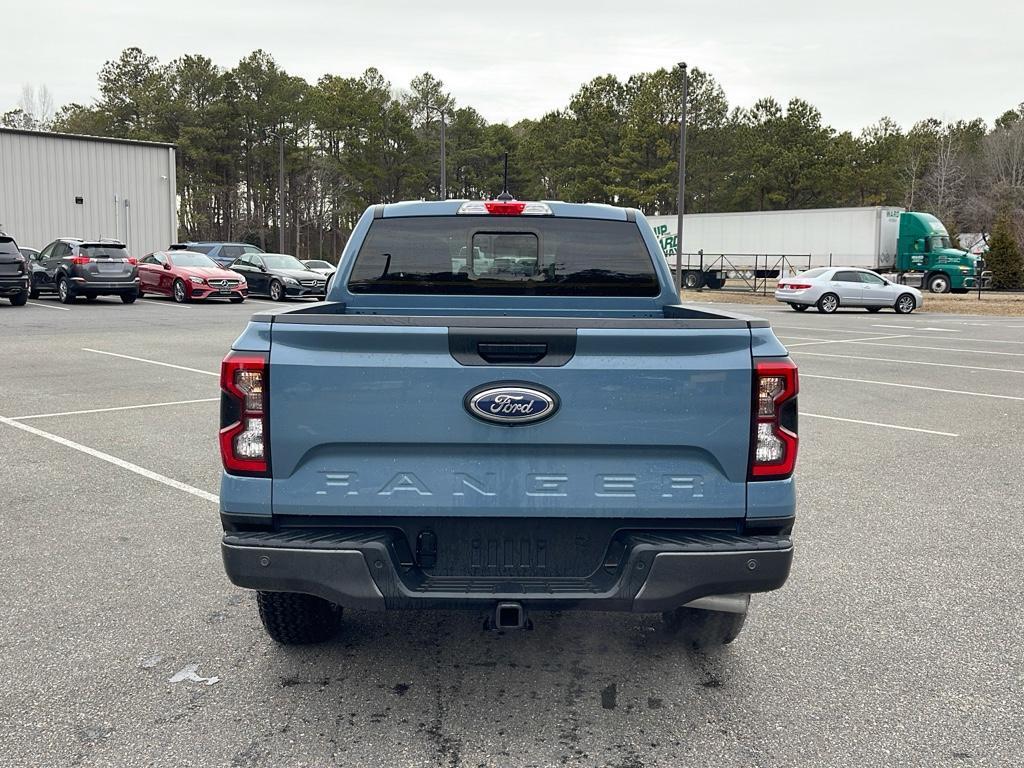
(114, 460)
(47, 306)
(909, 362)
(911, 386)
(917, 328)
(108, 410)
(873, 343)
(151, 362)
(153, 301)
(847, 341)
(879, 424)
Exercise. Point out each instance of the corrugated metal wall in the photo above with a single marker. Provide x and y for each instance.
(127, 190)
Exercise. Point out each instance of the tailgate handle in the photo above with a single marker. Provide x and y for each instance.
(511, 353)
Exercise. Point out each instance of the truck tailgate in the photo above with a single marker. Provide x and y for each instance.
(370, 420)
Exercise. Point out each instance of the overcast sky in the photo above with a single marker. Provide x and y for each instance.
(855, 61)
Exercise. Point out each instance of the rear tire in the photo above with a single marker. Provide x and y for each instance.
(91, 297)
(692, 280)
(799, 307)
(129, 298)
(828, 303)
(20, 299)
(291, 618)
(64, 291)
(699, 628)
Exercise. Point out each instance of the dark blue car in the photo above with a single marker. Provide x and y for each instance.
(222, 253)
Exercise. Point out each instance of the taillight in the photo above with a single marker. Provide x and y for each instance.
(795, 286)
(774, 424)
(505, 208)
(132, 260)
(80, 260)
(244, 422)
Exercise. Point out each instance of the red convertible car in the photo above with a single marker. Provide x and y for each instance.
(186, 276)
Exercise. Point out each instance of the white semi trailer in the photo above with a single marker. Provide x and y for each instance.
(769, 243)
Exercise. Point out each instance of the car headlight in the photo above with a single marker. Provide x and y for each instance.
(291, 281)
(196, 280)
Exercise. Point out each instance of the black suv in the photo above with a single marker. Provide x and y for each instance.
(71, 267)
(13, 272)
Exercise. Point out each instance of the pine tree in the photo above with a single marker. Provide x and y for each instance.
(1004, 256)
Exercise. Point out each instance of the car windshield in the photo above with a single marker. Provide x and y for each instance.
(8, 247)
(105, 251)
(281, 261)
(314, 264)
(251, 249)
(504, 255)
(938, 242)
(185, 259)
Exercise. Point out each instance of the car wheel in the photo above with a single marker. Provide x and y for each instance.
(179, 291)
(905, 304)
(91, 297)
(33, 292)
(64, 292)
(129, 298)
(291, 618)
(938, 284)
(141, 294)
(828, 303)
(276, 291)
(704, 629)
(873, 309)
(20, 299)
(799, 307)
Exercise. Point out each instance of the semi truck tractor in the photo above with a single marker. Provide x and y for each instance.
(914, 246)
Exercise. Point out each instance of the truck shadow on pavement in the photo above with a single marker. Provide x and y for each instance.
(577, 687)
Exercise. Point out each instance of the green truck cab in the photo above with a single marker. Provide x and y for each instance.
(926, 258)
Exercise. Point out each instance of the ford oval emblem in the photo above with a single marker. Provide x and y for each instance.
(511, 404)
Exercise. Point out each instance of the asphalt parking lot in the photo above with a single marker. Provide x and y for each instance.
(898, 640)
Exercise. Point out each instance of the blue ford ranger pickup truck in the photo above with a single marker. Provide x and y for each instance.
(504, 407)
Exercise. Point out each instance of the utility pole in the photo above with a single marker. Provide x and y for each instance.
(681, 200)
(280, 192)
(444, 163)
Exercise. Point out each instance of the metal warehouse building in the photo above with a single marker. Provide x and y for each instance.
(62, 185)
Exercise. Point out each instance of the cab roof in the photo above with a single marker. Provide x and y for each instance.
(451, 208)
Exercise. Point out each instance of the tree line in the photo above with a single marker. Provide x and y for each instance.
(354, 141)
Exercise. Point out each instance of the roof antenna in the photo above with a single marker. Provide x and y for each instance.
(504, 184)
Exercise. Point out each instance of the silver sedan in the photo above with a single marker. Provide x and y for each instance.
(829, 288)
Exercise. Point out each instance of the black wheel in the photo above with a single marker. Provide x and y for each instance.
(91, 297)
(276, 291)
(704, 629)
(828, 303)
(20, 299)
(129, 298)
(691, 280)
(320, 298)
(873, 309)
(237, 299)
(938, 283)
(799, 307)
(64, 291)
(140, 293)
(905, 304)
(291, 618)
(33, 292)
(179, 291)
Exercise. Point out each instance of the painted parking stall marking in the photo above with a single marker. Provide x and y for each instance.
(151, 362)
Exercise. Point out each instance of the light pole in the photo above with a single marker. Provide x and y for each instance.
(681, 201)
(444, 163)
(280, 190)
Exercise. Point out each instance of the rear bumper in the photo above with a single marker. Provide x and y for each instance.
(104, 287)
(12, 286)
(641, 572)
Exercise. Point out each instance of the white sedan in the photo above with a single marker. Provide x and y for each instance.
(829, 288)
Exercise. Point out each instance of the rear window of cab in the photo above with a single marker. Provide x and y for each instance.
(504, 255)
